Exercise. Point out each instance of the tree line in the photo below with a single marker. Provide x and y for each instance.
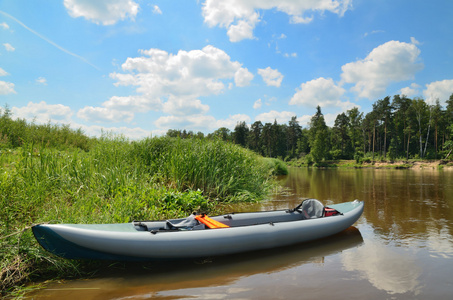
(398, 128)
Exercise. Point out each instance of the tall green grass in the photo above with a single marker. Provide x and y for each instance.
(220, 170)
(115, 181)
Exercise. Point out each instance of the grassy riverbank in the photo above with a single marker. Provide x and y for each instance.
(113, 181)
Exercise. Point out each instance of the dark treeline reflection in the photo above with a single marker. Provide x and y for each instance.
(404, 202)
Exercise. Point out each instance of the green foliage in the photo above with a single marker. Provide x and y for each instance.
(277, 166)
(358, 157)
(15, 133)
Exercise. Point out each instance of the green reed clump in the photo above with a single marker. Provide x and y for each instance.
(277, 166)
(220, 170)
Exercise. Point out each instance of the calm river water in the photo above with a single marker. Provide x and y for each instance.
(401, 248)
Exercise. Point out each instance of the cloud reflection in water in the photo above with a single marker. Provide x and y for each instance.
(384, 268)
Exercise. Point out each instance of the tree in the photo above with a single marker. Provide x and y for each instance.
(354, 128)
(319, 148)
(401, 123)
(222, 133)
(254, 141)
(240, 134)
(419, 107)
(279, 132)
(383, 111)
(341, 137)
(369, 131)
(303, 145)
(436, 122)
(173, 133)
(449, 116)
(200, 135)
(266, 140)
(448, 146)
(294, 133)
(319, 142)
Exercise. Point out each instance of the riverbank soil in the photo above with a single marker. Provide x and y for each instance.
(402, 164)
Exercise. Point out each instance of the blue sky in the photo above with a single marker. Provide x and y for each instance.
(139, 68)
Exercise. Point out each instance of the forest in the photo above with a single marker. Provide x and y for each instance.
(398, 128)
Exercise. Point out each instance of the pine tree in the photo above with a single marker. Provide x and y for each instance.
(319, 142)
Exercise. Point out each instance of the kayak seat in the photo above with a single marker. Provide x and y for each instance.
(311, 209)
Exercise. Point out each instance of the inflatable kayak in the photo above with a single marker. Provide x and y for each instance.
(198, 236)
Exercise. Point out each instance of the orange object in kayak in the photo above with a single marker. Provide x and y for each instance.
(210, 222)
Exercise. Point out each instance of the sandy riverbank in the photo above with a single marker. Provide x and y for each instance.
(417, 165)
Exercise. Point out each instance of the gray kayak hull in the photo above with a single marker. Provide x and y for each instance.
(131, 242)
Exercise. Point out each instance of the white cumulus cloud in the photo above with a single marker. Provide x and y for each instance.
(188, 73)
(133, 103)
(280, 116)
(243, 77)
(3, 72)
(441, 90)
(173, 84)
(119, 109)
(410, 91)
(393, 61)
(200, 122)
(272, 77)
(231, 121)
(106, 12)
(257, 104)
(6, 87)
(42, 112)
(103, 114)
(184, 106)
(243, 29)
(240, 17)
(192, 122)
(321, 91)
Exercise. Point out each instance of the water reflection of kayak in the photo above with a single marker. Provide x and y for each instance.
(198, 235)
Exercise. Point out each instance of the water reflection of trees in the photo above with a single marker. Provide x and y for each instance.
(397, 202)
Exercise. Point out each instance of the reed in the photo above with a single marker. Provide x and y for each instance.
(220, 170)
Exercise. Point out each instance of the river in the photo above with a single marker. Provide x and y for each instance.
(401, 248)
